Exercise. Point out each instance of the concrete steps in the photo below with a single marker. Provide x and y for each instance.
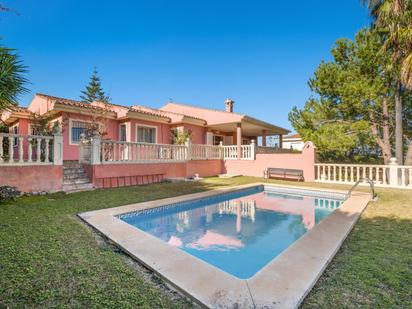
(76, 181)
(75, 178)
(77, 187)
(80, 175)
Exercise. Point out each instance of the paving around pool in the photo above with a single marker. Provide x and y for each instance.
(251, 246)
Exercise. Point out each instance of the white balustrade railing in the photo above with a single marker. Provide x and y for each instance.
(97, 151)
(229, 152)
(205, 152)
(18, 149)
(247, 152)
(121, 152)
(391, 175)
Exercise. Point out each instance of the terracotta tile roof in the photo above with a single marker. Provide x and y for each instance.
(19, 109)
(205, 108)
(187, 116)
(139, 109)
(70, 102)
(216, 117)
(175, 117)
(212, 116)
(149, 111)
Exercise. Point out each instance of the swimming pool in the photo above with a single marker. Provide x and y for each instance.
(250, 246)
(238, 232)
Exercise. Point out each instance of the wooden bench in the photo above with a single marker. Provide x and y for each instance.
(284, 173)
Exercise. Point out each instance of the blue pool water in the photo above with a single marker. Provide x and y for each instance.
(238, 232)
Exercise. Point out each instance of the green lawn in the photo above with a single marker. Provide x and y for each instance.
(49, 258)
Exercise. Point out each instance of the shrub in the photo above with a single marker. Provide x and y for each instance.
(8, 193)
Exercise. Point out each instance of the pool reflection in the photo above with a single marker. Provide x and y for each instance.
(250, 230)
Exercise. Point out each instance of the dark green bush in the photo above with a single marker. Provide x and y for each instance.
(8, 193)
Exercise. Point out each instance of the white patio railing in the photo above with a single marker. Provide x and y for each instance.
(96, 151)
(391, 175)
(18, 149)
(247, 152)
(204, 152)
(229, 152)
(120, 152)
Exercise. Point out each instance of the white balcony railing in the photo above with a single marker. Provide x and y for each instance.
(204, 152)
(391, 175)
(97, 151)
(120, 152)
(229, 152)
(247, 152)
(18, 149)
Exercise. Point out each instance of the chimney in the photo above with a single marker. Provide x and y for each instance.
(229, 105)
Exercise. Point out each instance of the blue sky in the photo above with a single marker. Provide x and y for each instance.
(259, 53)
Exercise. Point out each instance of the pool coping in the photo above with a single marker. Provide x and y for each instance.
(283, 282)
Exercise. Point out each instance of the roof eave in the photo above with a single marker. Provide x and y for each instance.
(145, 116)
(277, 129)
(195, 121)
(16, 115)
(61, 107)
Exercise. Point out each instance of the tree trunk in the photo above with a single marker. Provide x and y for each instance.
(408, 159)
(383, 138)
(387, 151)
(398, 124)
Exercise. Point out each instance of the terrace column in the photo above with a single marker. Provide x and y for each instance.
(264, 138)
(393, 172)
(95, 149)
(280, 141)
(239, 140)
(57, 146)
(188, 145)
(252, 150)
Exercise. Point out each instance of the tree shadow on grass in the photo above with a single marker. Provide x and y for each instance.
(371, 269)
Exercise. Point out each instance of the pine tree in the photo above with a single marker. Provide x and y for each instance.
(94, 90)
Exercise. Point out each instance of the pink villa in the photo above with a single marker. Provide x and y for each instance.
(135, 145)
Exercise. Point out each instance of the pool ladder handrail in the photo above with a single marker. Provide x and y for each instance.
(371, 185)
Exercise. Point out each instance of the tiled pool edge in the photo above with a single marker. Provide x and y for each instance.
(284, 282)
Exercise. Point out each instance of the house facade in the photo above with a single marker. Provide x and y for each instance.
(129, 145)
(293, 141)
(141, 124)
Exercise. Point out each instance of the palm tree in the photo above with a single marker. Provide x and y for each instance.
(12, 78)
(394, 17)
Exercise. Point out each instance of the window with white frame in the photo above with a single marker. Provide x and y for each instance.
(76, 129)
(122, 132)
(146, 134)
(217, 139)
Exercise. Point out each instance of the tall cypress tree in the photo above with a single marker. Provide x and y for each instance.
(94, 90)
